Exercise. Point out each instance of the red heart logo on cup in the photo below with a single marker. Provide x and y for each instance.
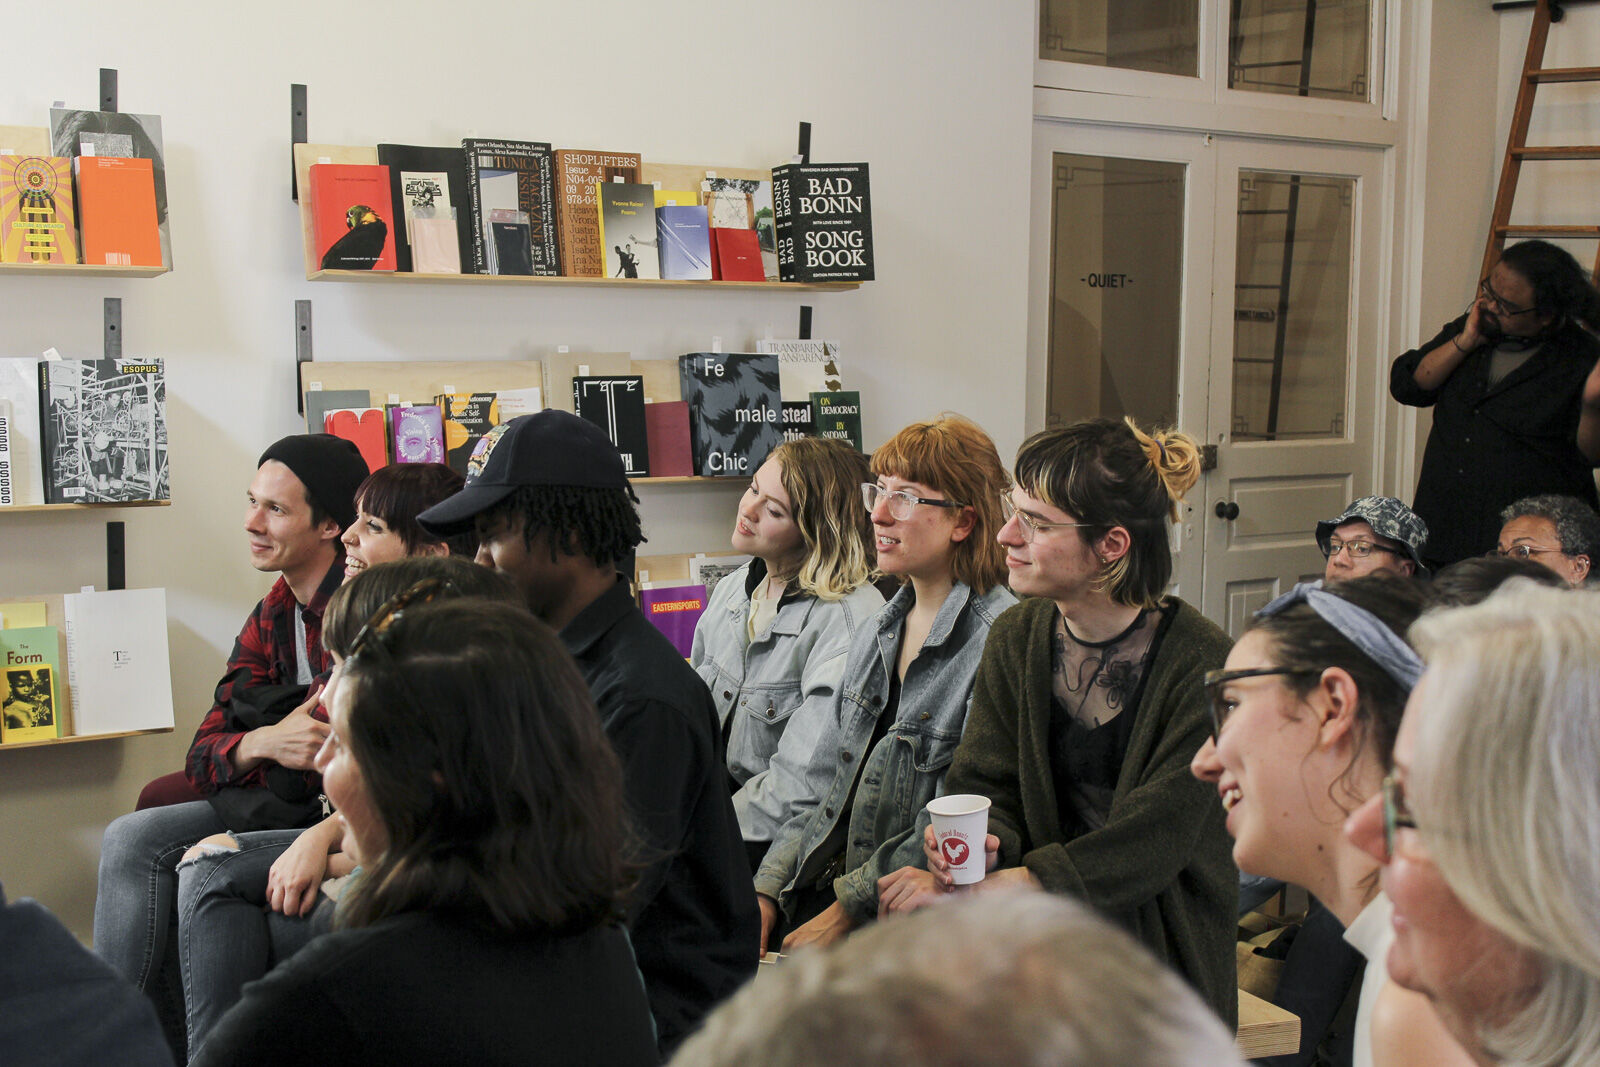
(955, 850)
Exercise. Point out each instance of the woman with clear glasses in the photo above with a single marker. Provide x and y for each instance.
(1303, 719)
(771, 644)
(897, 714)
(1514, 385)
(1560, 533)
(1487, 828)
(1087, 707)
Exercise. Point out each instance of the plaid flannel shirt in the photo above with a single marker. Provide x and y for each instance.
(263, 654)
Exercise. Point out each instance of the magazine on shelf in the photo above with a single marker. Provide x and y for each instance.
(103, 430)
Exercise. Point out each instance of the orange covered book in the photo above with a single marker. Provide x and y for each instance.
(117, 211)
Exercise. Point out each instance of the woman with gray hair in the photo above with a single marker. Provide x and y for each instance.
(1561, 533)
(1489, 828)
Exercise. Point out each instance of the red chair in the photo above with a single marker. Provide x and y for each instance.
(174, 788)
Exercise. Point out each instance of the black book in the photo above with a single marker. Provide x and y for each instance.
(798, 420)
(616, 405)
(838, 415)
(824, 222)
(103, 430)
(735, 411)
(414, 187)
(514, 175)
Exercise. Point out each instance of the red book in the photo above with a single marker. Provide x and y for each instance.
(117, 211)
(351, 216)
(736, 255)
(367, 429)
(666, 429)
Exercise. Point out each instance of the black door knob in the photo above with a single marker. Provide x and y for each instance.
(1227, 509)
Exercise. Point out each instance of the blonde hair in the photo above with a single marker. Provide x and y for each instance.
(1505, 786)
(823, 479)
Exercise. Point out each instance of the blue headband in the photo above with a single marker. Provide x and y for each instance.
(1359, 626)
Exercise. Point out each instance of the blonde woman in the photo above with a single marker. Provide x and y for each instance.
(771, 645)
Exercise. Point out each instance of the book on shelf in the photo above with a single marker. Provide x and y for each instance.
(804, 367)
(318, 402)
(117, 212)
(677, 198)
(416, 433)
(512, 176)
(823, 213)
(38, 219)
(628, 229)
(684, 239)
(560, 368)
(709, 570)
(350, 216)
(674, 608)
(366, 428)
(103, 430)
(666, 428)
(7, 491)
(736, 255)
(118, 664)
(745, 204)
(467, 417)
(838, 415)
(577, 211)
(123, 135)
(19, 390)
(616, 405)
(508, 235)
(32, 709)
(734, 410)
(430, 187)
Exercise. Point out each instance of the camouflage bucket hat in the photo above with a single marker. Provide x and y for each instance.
(1388, 518)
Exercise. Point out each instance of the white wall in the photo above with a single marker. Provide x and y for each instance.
(934, 94)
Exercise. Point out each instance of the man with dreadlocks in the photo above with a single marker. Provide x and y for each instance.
(554, 513)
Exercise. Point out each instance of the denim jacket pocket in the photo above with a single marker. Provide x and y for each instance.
(760, 718)
(932, 750)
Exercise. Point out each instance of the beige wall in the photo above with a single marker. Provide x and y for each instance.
(935, 95)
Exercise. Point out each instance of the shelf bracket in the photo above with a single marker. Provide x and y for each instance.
(116, 556)
(805, 323)
(113, 327)
(804, 149)
(302, 351)
(297, 134)
(108, 89)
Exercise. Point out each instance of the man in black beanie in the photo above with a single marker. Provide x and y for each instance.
(252, 755)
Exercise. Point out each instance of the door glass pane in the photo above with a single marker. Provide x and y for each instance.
(1154, 35)
(1291, 331)
(1300, 47)
(1116, 275)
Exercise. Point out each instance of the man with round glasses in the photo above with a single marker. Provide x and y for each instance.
(1374, 535)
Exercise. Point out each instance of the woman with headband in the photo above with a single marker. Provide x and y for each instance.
(1088, 705)
(1304, 718)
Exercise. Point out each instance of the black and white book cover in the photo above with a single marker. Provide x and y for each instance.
(120, 134)
(824, 222)
(735, 412)
(415, 190)
(805, 366)
(103, 426)
(517, 176)
(616, 405)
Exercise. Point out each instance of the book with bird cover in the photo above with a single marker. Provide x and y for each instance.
(351, 215)
(512, 176)
(37, 221)
(430, 185)
(577, 211)
(103, 430)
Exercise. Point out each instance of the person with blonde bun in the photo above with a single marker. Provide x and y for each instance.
(1089, 704)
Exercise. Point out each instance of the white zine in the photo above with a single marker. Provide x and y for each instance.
(117, 661)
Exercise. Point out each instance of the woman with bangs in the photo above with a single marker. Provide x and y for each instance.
(934, 505)
(771, 644)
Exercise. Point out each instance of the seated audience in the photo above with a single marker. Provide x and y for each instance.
(1303, 723)
(999, 980)
(1486, 828)
(484, 805)
(1558, 532)
(554, 513)
(252, 754)
(1375, 535)
(897, 714)
(1471, 580)
(1088, 706)
(771, 644)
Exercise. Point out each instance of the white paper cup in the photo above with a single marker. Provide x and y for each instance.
(960, 823)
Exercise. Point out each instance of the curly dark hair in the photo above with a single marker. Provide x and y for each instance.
(1561, 287)
(602, 524)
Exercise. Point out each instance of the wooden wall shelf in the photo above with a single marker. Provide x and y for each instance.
(83, 737)
(19, 508)
(82, 270)
(599, 283)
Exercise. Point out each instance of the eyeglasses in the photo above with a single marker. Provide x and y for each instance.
(1396, 816)
(389, 614)
(1221, 708)
(1499, 305)
(1029, 525)
(1522, 551)
(1357, 549)
(901, 503)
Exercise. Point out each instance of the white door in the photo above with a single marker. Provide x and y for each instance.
(1297, 367)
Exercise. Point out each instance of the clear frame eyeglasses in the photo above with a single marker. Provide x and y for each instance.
(1030, 526)
(902, 505)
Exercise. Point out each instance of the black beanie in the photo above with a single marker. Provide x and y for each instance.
(330, 468)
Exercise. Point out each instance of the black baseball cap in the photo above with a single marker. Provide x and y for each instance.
(545, 448)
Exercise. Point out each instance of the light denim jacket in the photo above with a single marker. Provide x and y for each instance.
(903, 771)
(778, 689)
